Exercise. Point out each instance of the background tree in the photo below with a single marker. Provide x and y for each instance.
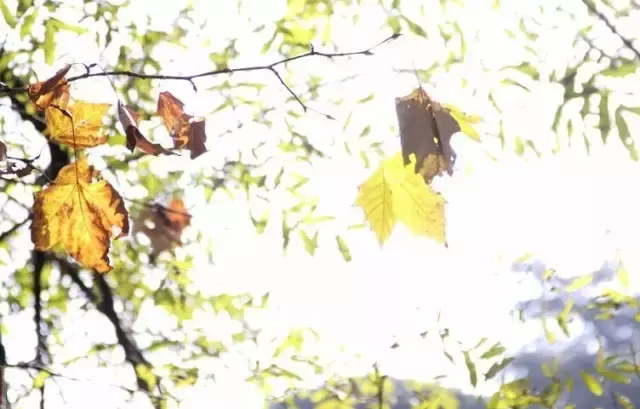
(297, 101)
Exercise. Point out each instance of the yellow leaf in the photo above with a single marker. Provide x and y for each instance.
(464, 121)
(80, 125)
(375, 198)
(396, 193)
(79, 214)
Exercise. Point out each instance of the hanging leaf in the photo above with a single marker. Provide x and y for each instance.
(163, 225)
(129, 120)
(396, 193)
(426, 129)
(54, 89)
(79, 125)
(187, 133)
(79, 214)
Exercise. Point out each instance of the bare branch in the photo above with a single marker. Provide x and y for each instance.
(189, 78)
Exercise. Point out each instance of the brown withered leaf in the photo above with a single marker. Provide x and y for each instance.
(167, 225)
(186, 132)
(426, 129)
(129, 120)
(54, 89)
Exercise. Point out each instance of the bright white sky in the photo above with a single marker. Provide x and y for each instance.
(570, 211)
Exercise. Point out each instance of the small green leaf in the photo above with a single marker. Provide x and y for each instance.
(344, 249)
(27, 24)
(614, 377)
(591, 383)
(310, 243)
(622, 71)
(551, 339)
(578, 283)
(60, 25)
(496, 368)
(605, 123)
(39, 380)
(494, 351)
(471, 367)
(145, 373)
(49, 45)
(623, 276)
(564, 316)
(9, 18)
(625, 134)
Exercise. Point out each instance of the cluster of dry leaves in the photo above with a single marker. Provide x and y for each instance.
(79, 211)
(400, 189)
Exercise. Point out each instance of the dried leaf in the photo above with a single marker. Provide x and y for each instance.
(166, 227)
(42, 94)
(186, 132)
(426, 129)
(129, 120)
(79, 214)
(396, 193)
(79, 125)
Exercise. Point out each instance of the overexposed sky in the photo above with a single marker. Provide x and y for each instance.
(571, 211)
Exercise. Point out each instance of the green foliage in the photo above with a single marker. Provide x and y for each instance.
(275, 175)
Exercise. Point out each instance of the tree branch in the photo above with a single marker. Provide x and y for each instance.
(627, 42)
(104, 302)
(189, 78)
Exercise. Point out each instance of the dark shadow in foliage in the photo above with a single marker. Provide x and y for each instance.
(403, 397)
(574, 354)
(577, 352)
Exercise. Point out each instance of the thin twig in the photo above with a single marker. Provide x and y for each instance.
(189, 78)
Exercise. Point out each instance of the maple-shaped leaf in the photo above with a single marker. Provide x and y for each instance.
(56, 88)
(426, 129)
(187, 132)
(79, 213)
(79, 124)
(396, 193)
(166, 227)
(129, 120)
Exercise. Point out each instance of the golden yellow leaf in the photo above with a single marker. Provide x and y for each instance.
(80, 125)
(376, 199)
(79, 214)
(395, 193)
(464, 121)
